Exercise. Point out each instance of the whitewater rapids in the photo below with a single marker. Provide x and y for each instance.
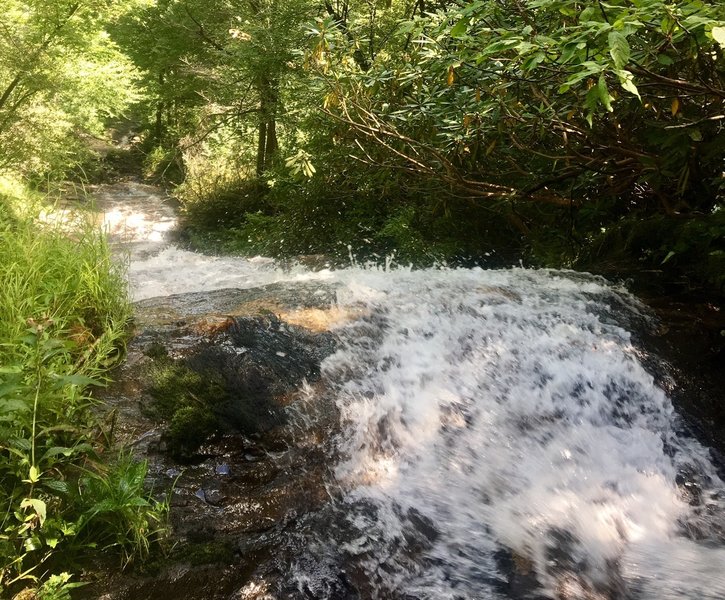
(486, 414)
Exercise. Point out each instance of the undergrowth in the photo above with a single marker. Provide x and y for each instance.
(64, 315)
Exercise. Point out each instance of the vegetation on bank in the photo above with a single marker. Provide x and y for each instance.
(64, 492)
(558, 132)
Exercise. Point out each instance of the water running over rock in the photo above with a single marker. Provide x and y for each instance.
(484, 434)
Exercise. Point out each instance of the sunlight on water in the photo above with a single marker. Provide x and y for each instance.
(136, 218)
(490, 416)
(510, 409)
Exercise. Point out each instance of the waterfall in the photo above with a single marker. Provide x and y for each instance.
(502, 433)
(512, 409)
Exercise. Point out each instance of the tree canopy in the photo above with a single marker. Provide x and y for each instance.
(60, 75)
(553, 101)
(442, 128)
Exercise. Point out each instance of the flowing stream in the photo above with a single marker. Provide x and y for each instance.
(501, 433)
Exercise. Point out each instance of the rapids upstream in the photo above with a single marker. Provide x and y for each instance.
(500, 433)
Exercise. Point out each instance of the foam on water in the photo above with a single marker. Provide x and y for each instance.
(488, 414)
(176, 271)
(510, 410)
(139, 221)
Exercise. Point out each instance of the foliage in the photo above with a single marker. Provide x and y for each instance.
(452, 130)
(60, 74)
(72, 284)
(216, 72)
(63, 318)
(548, 101)
(117, 512)
(690, 250)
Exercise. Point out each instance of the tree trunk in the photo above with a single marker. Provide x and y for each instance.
(159, 128)
(267, 143)
(261, 147)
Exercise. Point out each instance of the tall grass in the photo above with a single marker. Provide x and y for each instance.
(64, 315)
(70, 282)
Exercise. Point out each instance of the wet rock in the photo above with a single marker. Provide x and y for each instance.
(423, 525)
(689, 338)
(260, 469)
(236, 380)
(520, 577)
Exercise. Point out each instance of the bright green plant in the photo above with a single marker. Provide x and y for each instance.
(116, 512)
(63, 319)
(60, 74)
(57, 587)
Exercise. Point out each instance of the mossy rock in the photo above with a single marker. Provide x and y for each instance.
(190, 427)
(185, 399)
(174, 385)
(233, 383)
(215, 552)
(156, 351)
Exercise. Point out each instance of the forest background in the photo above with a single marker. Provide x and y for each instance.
(557, 132)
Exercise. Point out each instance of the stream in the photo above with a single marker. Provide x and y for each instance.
(454, 433)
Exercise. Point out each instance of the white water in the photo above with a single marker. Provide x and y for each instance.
(140, 220)
(507, 409)
(515, 410)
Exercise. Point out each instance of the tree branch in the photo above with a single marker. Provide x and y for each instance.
(42, 48)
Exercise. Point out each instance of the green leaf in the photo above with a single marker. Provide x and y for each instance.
(57, 451)
(33, 474)
(533, 61)
(9, 388)
(626, 80)
(604, 95)
(589, 14)
(667, 25)
(20, 443)
(460, 28)
(57, 486)
(618, 49)
(33, 543)
(11, 406)
(38, 506)
(79, 380)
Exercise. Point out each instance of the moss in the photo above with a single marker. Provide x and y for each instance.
(173, 386)
(157, 351)
(208, 553)
(187, 400)
(190, 427)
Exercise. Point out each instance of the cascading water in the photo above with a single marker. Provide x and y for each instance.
(511, 409)
(499, 437)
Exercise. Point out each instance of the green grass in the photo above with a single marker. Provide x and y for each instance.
(64, 317)
(68, 282)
